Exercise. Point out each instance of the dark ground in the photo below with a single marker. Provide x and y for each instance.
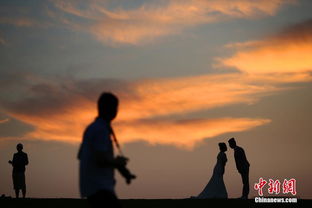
(146, 203)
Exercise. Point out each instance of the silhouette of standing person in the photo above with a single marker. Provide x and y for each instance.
(242, 166)
(20, 160)
(97, 160)
(216, 187)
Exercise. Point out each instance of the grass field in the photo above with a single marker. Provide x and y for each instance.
(145, 203)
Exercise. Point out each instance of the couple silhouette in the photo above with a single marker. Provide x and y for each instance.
(216, 187)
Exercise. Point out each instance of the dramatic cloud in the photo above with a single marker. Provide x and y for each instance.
(154, 110)
(60, 109)
(162, 110)
(157, 18)
(290, 51)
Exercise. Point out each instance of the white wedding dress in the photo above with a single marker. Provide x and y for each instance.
(216, 187)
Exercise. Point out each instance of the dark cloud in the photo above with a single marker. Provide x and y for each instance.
(296, 32)
(14, 128)
(36, 94)
(10, 78)
(50, 95)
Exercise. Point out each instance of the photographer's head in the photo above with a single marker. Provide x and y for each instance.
(232, 143)
(222, 147)
(108, 106)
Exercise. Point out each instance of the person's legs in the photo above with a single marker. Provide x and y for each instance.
(16, 184)
(24, 192)
(19, 183)
(17, 193)
(105, 199)
(245, 179)
(23, 184)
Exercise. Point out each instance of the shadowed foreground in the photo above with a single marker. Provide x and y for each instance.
(146, 203)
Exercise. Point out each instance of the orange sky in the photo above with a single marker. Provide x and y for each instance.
(155, 102)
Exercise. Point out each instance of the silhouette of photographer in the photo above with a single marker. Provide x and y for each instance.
(242, 166)
(96, 155)
(20, 160)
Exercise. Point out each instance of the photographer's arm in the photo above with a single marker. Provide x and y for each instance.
(103, 159)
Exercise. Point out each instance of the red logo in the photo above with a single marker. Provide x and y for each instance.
(289, 186)
(259, 186)
(275, 186)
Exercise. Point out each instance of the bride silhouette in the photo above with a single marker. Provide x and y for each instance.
(216, 187)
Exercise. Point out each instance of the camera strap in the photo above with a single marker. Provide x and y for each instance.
(115, 140)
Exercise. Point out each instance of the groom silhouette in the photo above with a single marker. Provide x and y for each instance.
(242, 166)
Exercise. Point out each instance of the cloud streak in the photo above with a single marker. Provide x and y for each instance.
(184, 133)
(18, 21)
(190, 94)
(4, 120)
(289, 51)
(157, 19)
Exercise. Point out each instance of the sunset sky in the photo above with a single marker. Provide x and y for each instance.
(189, 74)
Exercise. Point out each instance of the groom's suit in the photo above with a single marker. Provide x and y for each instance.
(242, 166)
